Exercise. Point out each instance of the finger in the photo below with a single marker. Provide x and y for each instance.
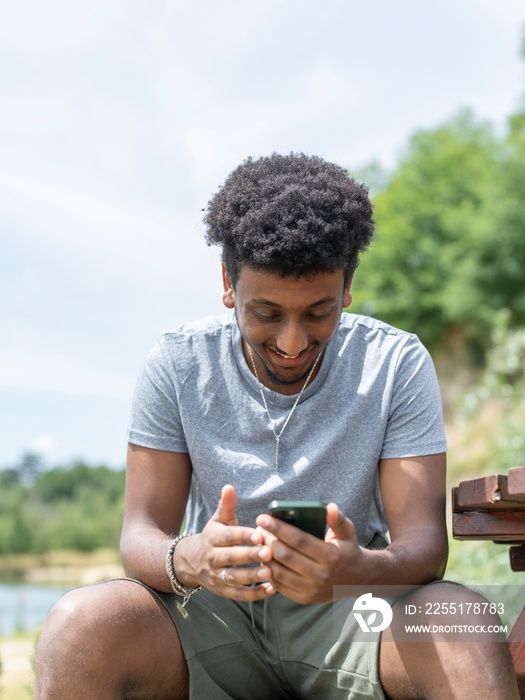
(219, 535)
(293, 536)
(298, 551)
(290, 583)
(342, 527)
(225, 512)
(286, 559)
(243, 583)
(231, 576)
(266, 537)
(219, 557)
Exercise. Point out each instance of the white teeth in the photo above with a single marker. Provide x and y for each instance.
(289, 357)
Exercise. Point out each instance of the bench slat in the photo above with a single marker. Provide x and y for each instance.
(486, 493)
(516, 483)
(501, 526)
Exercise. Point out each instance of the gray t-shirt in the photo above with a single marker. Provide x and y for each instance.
(375, 397)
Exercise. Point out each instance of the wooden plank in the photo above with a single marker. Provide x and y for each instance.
(482, 491)
(517, 542)
(502, 526)
(516, 483)
(517, 559)
(487, 493)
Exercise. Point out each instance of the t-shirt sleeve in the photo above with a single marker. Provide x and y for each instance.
(155, 417)
(415, 422)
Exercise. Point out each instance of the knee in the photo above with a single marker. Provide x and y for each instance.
(106, 640)
(72, 618)
(446, 610)
(462, 632)
(90, 618)
(438, 597)
(453, 600)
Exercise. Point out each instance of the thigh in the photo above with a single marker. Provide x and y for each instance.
(114, 639)
(456, 652)
(223, 648)
(274, 648)
(320, 651)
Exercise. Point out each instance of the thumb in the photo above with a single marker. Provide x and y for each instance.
(225, 512)
(341, 528)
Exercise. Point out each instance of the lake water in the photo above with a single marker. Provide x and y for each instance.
(24, 607)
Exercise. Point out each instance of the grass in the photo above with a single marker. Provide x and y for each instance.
(17, 657)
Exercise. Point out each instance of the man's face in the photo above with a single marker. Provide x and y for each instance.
(286, 321)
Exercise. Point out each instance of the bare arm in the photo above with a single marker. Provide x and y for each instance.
(413, 493)
(157, 488)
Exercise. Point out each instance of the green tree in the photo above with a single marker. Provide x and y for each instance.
(502, 249)
(448, 229)
(79, 507)
(66, 484)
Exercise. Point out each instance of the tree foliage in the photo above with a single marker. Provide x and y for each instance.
(78, 507)
(503, 381)
(450, 226)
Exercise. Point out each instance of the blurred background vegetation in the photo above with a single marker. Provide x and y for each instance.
(448, 263)
(76, 507)
(448, 252)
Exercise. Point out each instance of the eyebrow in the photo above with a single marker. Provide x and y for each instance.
(267, 302)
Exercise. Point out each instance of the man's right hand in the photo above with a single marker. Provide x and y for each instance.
(217, 558)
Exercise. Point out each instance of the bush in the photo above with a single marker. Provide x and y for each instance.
(78, 508)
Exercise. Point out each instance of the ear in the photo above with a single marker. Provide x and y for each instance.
(347, 297)
(228, 298)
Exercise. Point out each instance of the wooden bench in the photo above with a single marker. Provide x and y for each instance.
(493, 508)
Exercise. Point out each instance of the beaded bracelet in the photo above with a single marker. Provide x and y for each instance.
(177, 587)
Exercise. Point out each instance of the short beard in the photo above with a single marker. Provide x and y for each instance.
(285, 382)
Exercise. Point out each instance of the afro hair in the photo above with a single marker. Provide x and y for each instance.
(291, 214)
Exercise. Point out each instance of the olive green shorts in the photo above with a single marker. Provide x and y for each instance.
(273, 648)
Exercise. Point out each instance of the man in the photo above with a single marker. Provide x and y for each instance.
(283, 398)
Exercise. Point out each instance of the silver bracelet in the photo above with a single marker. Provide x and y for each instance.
(177, 587)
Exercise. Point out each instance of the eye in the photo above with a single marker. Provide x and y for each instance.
(318, 317)
(266, 317)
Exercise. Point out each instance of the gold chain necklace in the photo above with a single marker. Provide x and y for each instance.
(278, 435)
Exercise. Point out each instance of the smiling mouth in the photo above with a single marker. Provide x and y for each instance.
(289, 357)
(286, 365)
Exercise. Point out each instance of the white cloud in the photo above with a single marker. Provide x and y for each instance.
(51, 25)
(508, 9)
(99, 215)
(219, 141)
(43, 443)
(143, 244)
(64, 376)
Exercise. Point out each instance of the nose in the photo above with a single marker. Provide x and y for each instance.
(291, 339)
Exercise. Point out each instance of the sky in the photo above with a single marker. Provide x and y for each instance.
(118, 121)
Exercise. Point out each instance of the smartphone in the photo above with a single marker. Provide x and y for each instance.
(310, 516)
